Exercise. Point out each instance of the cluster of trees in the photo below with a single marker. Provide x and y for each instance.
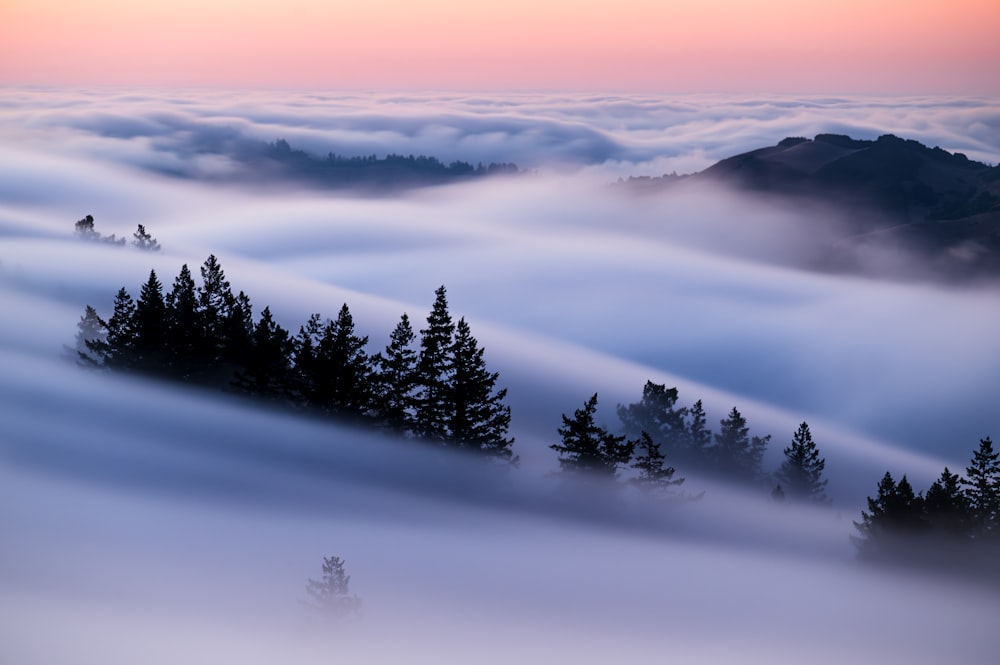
(436, 387)
(85, 230)
(391, 170)
(655, 429)
(956, 522)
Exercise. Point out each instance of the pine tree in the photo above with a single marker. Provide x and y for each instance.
(801, 472)
(698, 437)
(84, 229)
(117, 349)
(348, 367)
(184, 331)
(332, 595)
(947, 508)
(476, 414)
(432, 367)
(93, 330)
(396, 378)
(983, 490)
(267, 371)
(735, 454)
(150, 315)
(895, 514)
(656, 415)
(144, 241)
(215, 305)
(653, 474)
(308, 378)
(586, 447)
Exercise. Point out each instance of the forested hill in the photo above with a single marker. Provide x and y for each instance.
(279, 162)
(896, 189)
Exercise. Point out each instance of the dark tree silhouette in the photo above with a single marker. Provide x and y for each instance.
(432, 366)
(801, 472)
(396, 378)
(90, 328)
(331, 595)
(182, 323)
(476, 415)
(735, 454)
(348, 366)
(148, 330)
(267, 372)
(588, 448)
(116, 351)
(983, 490)
(85, 230)
(698, 436)
(653, 475)
(893, 516)
(656, 415)
(144, 241)
(946, 508)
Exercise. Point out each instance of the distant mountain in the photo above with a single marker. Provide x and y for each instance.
(894, 190)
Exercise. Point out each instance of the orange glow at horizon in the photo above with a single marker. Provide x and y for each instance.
(766, 45)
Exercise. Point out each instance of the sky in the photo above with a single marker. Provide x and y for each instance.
(766, 46)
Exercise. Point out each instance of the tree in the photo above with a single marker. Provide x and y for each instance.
(267, 371)
(946, 507)
(656, 415)
(184, 331)
(90, 328)
(895, 514)
(84, 229)
(476, 415)
(801, 472)
(983, 489)
(148, 334)
(331, 595)
(396, 378)
(348, 367)
(735, 454)
(144, 241)
(653, 475)
(588, 448)
(697, 435)
(432, 370)
(116, 351)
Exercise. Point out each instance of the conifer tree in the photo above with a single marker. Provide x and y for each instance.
(656, 415)
(144, 241)
(184, 331)
(653, 474)
(84, 229)
(432, 367)
(476, 415)
(349, 368)
(90, 328)
(331, 595)
(946, 507)
(983, 490)
(801, 472)
(215, 305)
(588, 448)
(735, 454)
(894, 514)
(148, 334)
(396, 378)
(698, 437)
(116, 351)
(308, 378)
(267, 371)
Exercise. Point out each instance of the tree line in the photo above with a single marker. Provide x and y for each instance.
(141, 239)
(435, 386)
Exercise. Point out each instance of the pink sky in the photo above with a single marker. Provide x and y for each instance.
(867, 46)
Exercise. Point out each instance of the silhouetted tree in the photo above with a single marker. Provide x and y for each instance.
(432, 367)
(348, 366)
(735, 454)
(946, 508)
(893, 516)
(267, 371)
(653, 474)
(116, 351)
(801, 472)
(396, 378)
(183, 327)
(144, 241)
(476, 415)
(697, 435)
(983, 490)
(85, 230)
(148, 330)
(90, 328)
(586, 447)
(656, 415)
(331, 595)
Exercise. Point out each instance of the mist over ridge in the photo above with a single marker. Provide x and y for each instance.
(571, 286)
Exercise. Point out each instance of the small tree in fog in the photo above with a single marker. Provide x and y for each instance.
(144, 241)
(331, 595)
(587, 447)
(801, 472)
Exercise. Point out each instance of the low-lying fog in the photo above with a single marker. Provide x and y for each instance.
(148, 523)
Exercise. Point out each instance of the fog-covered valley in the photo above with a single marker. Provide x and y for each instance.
(154, 523)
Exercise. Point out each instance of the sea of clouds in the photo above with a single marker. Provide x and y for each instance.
(148, 523)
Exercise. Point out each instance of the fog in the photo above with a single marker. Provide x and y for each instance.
(153, 523)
